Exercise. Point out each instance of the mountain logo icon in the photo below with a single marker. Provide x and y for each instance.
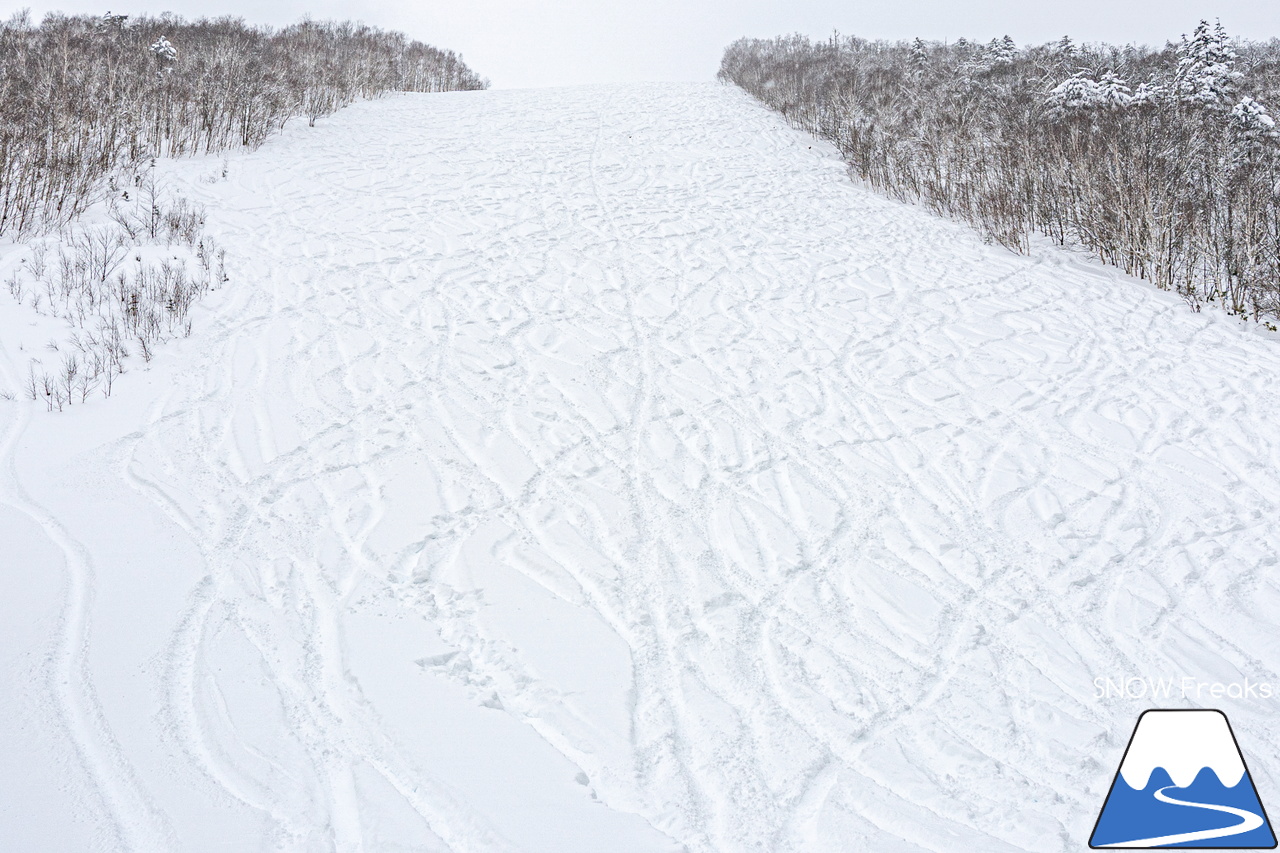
(1182, 783)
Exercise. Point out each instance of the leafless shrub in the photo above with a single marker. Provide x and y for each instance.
(37, 261)
(107, 300)
(14, 283)
(32, 387)
(101, 249)
(183, 222)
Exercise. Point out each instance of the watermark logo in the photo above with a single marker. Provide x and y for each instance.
(1185, 687)
(1182, 783)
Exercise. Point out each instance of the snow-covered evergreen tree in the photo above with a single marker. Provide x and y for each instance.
(1075, 94)
(1081, 92)
(1149, 95)
(1113, 93)
(1002, 51)
(919, 54)
(164, 51)
(1252, 125)
(1206, 75)
(113, 22)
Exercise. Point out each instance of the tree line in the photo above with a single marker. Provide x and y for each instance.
(1164, 162)
(83, 97)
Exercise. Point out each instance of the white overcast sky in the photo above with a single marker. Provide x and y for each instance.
(520, 43)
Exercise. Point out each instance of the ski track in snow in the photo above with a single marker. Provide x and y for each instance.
(787, 517)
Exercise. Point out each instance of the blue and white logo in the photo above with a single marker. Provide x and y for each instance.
(1183, 783)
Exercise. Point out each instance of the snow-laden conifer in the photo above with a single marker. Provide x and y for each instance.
(1077, 93)
(1001, 51)
(1251, 121)
(919, 54)
(163, 50)
(1113, 93)
(113, 22)
(1206, 74)
(1149, 94)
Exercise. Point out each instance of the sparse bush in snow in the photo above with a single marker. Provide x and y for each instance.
(1162, 162)
(121, 287)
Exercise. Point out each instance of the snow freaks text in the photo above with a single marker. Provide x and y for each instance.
(1183, 687)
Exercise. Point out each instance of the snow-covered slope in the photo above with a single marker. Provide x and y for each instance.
(599, 469)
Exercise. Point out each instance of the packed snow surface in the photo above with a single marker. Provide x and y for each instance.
(601, 469)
